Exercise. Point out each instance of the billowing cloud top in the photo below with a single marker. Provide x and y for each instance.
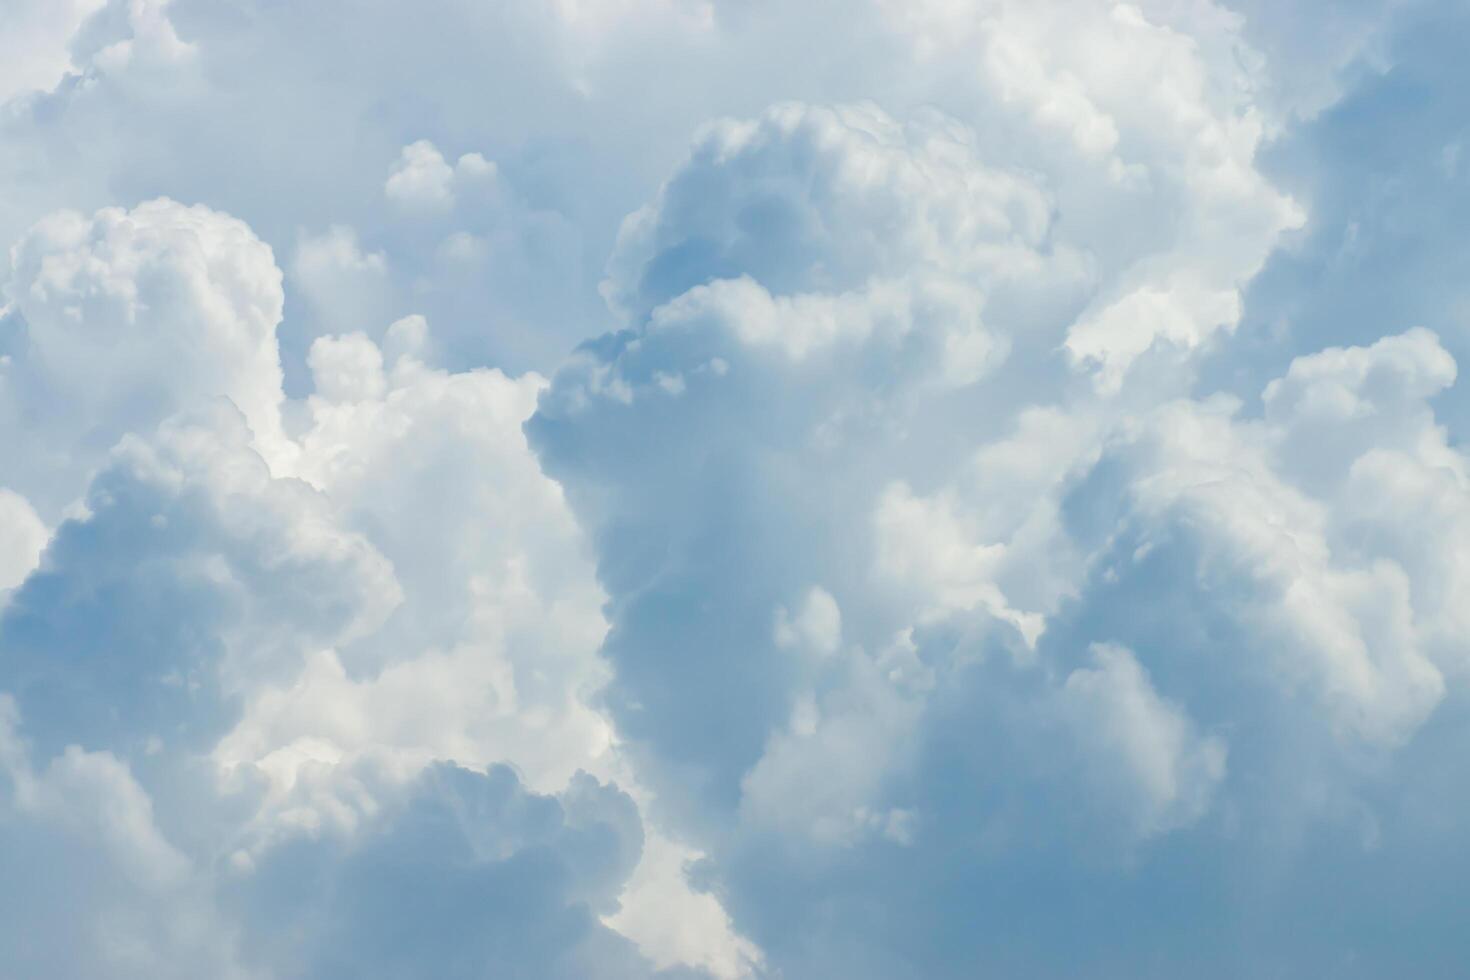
(704, 489)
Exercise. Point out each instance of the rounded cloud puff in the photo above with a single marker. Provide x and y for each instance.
(112, 301)
(808, 198)
(130, 316)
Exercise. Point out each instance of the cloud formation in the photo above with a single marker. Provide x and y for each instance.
(513, 490)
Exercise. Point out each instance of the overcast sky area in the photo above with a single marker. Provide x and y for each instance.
(718, 489)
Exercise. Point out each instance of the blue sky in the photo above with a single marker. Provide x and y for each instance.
(714, 489)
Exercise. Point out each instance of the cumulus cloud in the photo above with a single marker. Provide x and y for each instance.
(106, 894)
(236, 638)
(421, 179)
(36, 41)
(100, 650)
(1030, 578)
(872, 516)
(462, 873)
(122, 319)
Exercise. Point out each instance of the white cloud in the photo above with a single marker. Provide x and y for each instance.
(109, 894)
(912, 572)
(302, 618)
(699, 936)
(493, 653)
(420, 179)
(34, 45)
(816, 625)
(128, 317)
(132, 36)
(347, 288)
(22, 538)
(813, 199)
(346, 369)
(1171, 770)
(1067, 493)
